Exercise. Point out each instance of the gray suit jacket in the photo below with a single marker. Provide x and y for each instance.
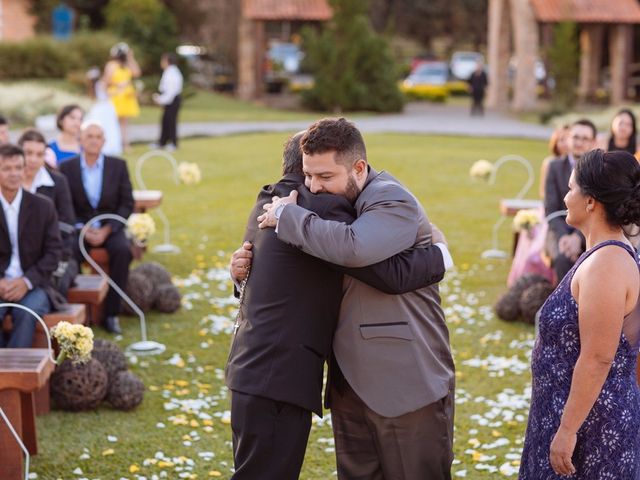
(392, 349)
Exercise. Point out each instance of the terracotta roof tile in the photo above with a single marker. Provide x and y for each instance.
(287, 9)
(587, 11)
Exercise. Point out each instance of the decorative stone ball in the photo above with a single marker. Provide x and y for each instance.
(525, 282)
(79, 387)
(141, 291)
(154, 273)
(532, 299)
(508, 306)
(110, 356)
(168, 299)
(126, 391)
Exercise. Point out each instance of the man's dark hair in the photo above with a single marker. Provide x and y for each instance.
(3, 120)
(171, 58)
(335, 135)
(31, 135)
(64, 111)
(9, 150)
(292, 155)
(585, 122)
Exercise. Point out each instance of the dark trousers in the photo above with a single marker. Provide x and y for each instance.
(477, 107)
(169, 126)
(417, 445)
(269, 438)
(24, 323)
(120, 257)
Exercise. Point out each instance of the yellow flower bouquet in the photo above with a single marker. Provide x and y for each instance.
(481, 169)
(189, 173)
(526, 220)
(75, 342)
(141, 226)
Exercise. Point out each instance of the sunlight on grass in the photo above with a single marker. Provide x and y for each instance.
(182, 426)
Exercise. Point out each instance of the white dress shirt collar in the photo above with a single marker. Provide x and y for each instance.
(42, 179)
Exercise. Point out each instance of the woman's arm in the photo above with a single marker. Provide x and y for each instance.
(133, 64)
(604, 287)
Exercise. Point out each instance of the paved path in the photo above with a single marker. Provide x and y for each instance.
(417, 118)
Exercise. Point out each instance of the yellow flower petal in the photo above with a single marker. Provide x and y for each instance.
(108, 451)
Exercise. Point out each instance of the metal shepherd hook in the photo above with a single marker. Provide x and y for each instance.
(144, 346)
(167, 246)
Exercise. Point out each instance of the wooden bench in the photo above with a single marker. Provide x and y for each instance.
(75, 314)
(91, 291)
(101, 257)
(22, 372)
(146, 199)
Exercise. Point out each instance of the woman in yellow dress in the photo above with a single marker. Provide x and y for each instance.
(118, 76)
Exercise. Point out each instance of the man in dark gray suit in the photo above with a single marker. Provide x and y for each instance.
(392, 414)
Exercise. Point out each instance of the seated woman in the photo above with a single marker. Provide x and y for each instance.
(67, 143)
(584, 419)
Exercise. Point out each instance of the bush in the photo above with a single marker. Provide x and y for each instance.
(40, 57)
(146, 23)
(44, 57)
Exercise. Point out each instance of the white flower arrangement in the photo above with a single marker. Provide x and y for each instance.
(75, 342)
(141, 226)
(189, 173)
(526, 220)
(481, 169)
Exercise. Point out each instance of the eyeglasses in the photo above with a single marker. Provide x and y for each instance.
(576, 138)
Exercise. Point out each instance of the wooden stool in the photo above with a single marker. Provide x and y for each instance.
(101, 257)
(146, 199)
(22, 372)
(90, 290)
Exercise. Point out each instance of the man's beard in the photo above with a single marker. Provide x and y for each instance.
(351, 191)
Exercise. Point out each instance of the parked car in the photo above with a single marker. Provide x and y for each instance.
(540, 71)
(207, 70)
(463, 64)
(428, 81)
(281, 65)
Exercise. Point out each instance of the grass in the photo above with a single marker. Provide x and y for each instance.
(208, 222)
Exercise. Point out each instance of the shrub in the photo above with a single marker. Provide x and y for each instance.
(40, 57)
(146, 23)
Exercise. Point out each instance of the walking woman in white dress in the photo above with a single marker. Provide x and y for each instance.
(104, 113)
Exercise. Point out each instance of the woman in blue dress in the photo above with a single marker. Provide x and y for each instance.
(67, 143)
(584, 421)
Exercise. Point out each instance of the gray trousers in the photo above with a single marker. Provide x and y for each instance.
(417, 445)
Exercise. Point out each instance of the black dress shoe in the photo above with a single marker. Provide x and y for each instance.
(112, 324)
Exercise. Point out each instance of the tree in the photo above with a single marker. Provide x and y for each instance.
(352, 66)
(563, 58)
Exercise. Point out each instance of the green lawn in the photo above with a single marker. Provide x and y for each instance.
(182, 427)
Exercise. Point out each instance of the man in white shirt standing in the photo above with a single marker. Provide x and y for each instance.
(30, 248)
(169, 97)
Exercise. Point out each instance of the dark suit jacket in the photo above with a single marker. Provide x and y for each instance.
(555, 189)
(292, 301)
(60, 195)
(38, 238)
(116, 197)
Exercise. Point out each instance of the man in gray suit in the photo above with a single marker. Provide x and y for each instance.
(392, 390)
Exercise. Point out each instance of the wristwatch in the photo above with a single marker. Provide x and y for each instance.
(278, 211)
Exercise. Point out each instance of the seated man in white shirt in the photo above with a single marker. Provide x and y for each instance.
(30, 248)
(169, 97)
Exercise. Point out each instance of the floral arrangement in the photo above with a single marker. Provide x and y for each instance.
(141, 226)
(526, 220)
(189, 173)
(481, 169)
(75, 341)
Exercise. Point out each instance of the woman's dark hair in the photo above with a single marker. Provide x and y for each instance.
(64, 111)
(631, 146)
(613, 179)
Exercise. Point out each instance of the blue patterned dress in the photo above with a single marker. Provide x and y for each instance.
(608, 442)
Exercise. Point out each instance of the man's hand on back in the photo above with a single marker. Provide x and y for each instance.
(437, 236)
(241, 262)
(273, 210)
